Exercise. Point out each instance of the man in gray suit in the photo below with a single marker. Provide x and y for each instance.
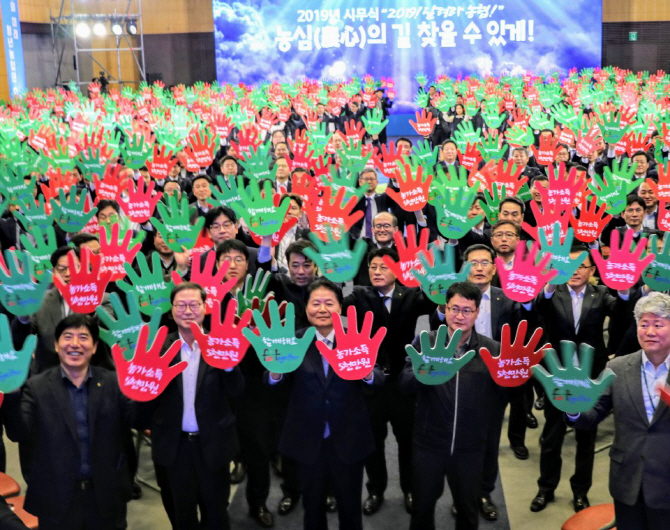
(640, 461)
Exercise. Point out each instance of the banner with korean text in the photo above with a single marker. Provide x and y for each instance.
(11, 30)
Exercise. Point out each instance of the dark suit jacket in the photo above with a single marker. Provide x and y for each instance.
(407, 305)
(43, 416)
(363, 275)
(382, 202)
(455, 416)
(316, 400)
(559, 322)
(639, 454)
(215, 418)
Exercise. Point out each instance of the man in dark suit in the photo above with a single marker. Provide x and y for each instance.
(52, 310)
(397, 308)
(192, 426)
(452, 420)
(370, 204)
(639, 479)
(576, 312)
(75, 420)
(650, 220)
(384, 227)
(327, 428)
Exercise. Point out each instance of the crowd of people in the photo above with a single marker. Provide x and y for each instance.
(138, 198)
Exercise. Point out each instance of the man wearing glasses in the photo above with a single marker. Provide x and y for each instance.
(397, 308)
(505, 236)
(576, 312)
(370, 204)
(452, 420)
(192, 425)
(384, 227)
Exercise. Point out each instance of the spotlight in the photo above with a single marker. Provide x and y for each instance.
(100, 29)
(117, 28)
(131, 27)
(83, 30)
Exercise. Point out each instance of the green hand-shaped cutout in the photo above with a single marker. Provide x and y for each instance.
(149, 284)
(374, 121)
(491, 149)
(229, 194)
(352, 158)
(175, 225)
(125, 330)
(254, 287)
(20, 295)
(136, 154)
(657, 275)
(277, 347)
(257, 164)
(13, 364)
(335, 259)
(491, 203)
(441, 274)
(560, 254)
(426, 154)
(319, 137)
(260, 213)
(69, 214)
(40, 252)
(452, 208)
(33, 215)
(570, 388)
(613, 190)
(435, 364)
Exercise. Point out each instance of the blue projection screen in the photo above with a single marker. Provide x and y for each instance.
(287, 39)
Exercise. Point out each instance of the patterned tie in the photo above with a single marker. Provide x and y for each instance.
(368, 217)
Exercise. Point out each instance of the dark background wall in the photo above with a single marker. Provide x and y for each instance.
(650, 52)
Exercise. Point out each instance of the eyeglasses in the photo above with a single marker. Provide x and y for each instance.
(508, 235)
(371, 179)
(466, 311)
(218, 226)
(384, 226)
(237, 260)
(481, 263)
(380, 268)
(193, 306)
(584, 267)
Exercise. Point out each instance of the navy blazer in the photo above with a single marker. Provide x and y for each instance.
(316, 400)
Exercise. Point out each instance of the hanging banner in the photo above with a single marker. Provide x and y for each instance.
(11, 30)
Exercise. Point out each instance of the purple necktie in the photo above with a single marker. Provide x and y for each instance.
(368, 217)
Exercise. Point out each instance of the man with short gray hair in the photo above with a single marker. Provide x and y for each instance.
(640, 461)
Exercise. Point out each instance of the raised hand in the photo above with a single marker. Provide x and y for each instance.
(19, 293)
(526, 278)
(466, 134)
(212, 282)
(513, 366)
(135, 152)
(202, 148)
(440, 273)
(146, 376)
(657, 275)
(591, 222)
(353, 159)
(160, 164)
(413, 194)
(424, 124)
(565, 191)
(409, 256)
(153, 291)
(175, 225)
(452, 209)
(491, 202)
(125, 329)
(334, 257)
(87, 283)
(70, 214)
(255, 288)
(277, 347)
(141, 203)
(545, 220)
(41, 251)
(586, 143)
(354, 353)
(116, 252)
(623, 268)
(519, 136)
(435, 364)
(470, 157)
(34, 214)
(547, 151)
(325, 211)
(374, 121)
(570, 388)
(229, 194)
(257, 164)
(258, 210)
(224, 346)
(492, 147)
(560, 254)
(612, 191)
(662, 188)
(14, 364)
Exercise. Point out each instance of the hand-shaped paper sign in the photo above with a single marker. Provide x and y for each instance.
(19, 293)
(277, 236)
(277, 347)
(175, 226)
(623, 268)
(116, 252)
(213, 283)
(111, 184)
(560, 254)
(153, 292)
(591, 222)
(440, 273)
(513, 366)
(586, 143)
(409, 256)
(452, 207)
(14, 364)
(259, 211)
(324, 211)
(354, 354)
(413, 194)
(160, 164)
(565, 191)
(141, 203)
(661, 188)
(335, 259)
(546, 219)
(435, 364)
(147, 375)
(570, 389)
(657, 275)
(224, 346)
(424, 124)
(526, 279)
(125, 330)
(70, 213)
(87, 283)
